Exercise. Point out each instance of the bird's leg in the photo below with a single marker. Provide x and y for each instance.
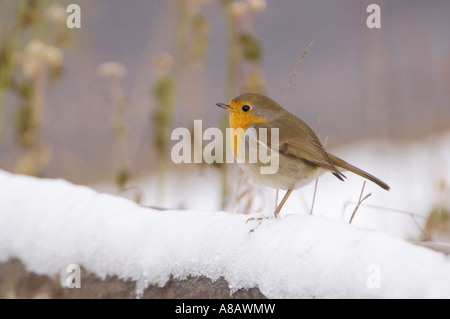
(288, 193)
(259, 220)
(277, 210)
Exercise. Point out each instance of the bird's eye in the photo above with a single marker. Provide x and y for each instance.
(245, 108)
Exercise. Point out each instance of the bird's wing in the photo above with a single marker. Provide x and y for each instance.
(300, 142)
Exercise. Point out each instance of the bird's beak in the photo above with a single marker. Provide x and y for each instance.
(224, 106)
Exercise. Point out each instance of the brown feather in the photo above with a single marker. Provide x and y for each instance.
(296, 139)
(300, 143)
(343, 164)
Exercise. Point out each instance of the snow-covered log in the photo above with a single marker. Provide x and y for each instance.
(50, 224)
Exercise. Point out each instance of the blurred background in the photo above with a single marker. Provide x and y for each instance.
(98, 103)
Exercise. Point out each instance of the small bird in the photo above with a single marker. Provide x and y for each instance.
(301, 156)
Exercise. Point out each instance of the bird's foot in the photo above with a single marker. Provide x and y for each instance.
(259, 220)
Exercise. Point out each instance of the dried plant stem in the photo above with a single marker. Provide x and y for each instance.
(284, 103)
(39, 98)
(360, 201)
(317, 179)
(35, 158)
(244, 194)
(231, 84)
(276, 198)
(314, 197)
(398, 211)
(294, 72)
(123, 173)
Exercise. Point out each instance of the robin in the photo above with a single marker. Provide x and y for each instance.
(302, 158)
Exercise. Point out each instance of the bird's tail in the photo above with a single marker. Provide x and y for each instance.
(343, 164)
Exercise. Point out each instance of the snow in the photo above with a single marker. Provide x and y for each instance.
(414, 171)
(49, 224)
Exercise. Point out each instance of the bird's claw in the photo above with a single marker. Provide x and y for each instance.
(259, 220)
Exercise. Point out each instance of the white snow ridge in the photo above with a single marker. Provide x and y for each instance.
(49, 224)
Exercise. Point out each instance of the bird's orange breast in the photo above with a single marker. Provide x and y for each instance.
(239, 122)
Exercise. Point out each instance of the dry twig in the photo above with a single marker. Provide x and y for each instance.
(295, 71)
(360, 201)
